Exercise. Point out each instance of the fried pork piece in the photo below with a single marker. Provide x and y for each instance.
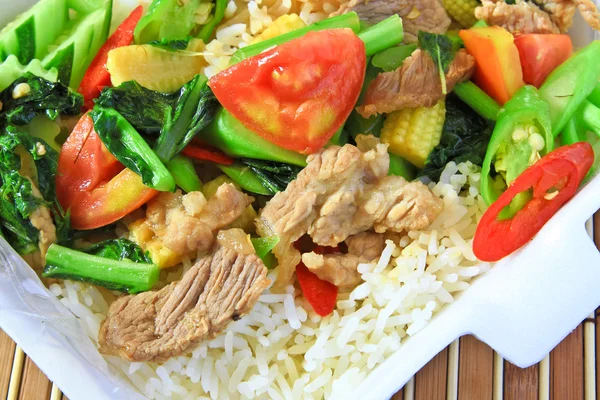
(155, 326)
(188, 223)
(343, 192)
(538, 16)
(415, 84)
(417, 15)
(341, 269)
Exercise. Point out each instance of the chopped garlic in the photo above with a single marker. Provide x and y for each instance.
(40, 149)
(21, 90)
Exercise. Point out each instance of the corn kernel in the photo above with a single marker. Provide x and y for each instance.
(463, 11)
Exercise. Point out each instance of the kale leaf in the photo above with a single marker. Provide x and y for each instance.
(27, 171)
(171, 45)
(119, 249)
(441, 49)
(43, 96)
(465, 137)
(175, 117)
(274, 176)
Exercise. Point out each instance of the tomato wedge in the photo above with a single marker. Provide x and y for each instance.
(92, 184)
(298, 94)
(97, 76)
(554, 180)
(541, 54)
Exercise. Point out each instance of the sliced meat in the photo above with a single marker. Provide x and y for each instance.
(341, 269)
(188, 223)
(342, 192)
(522, 17)
(415, 84)
(155, 326)
(417, 15)
(538, 16)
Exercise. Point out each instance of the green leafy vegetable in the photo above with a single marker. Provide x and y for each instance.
(120, 274)
(172, 45)
(440, 48)
(27, 171)
(175, 117)
(119, 249)
(126, 144)
(274, 176)
(465, 137)
(35, 95)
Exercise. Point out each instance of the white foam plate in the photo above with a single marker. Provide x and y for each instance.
(522, 308)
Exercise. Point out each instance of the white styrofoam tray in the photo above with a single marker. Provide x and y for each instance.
(522, 308)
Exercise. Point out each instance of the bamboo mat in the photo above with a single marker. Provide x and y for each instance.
(466, 370)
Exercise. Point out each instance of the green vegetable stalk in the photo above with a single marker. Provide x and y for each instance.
(570, 84)
(263, 248)
(114, 265)
(383, 35)
(261, 177)
(478, 100)
(392, 58)
(209, 28)
(126, 144)
(356, 124)
(245, 178)
(229, 135)
(522, 135)
(184, 172)
(349, 20)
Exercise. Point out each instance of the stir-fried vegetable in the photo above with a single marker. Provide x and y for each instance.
(442, 52)
(263, 247)
(11, 70)
(155, 68)
(183, 171)
(553, 180)
(92, 184)
(465, 137)
(477, 99)
(32, 95)
(522, 135)
(115, 268)
(392, 58)
(126, 144)
(463, 11)
(177, 116)
(321, 294)
(570, 84)
(498, 70)
(291, 95)
(414, 133)
(541, 54)
(205, 153)
(229, 135)
(96, 77)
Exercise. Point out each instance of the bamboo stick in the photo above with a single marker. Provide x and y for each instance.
(34, 385)
(7, 353)
(15, 374)
(544, 385)
(55, 393)
(498, 384)
(409, 390)
(453, 370)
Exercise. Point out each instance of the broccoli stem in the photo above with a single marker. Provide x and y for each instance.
(349, 20)
(478, 100)
(125, 276)
(590, 115)
(383, 35)
(184, 173)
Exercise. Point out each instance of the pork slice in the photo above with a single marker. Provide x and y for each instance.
(155, 326)
(327, 202)
(342, 269)
(417, 15)
(415, 84)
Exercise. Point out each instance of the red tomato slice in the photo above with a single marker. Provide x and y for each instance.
(541, 54)
(554, 180)
(298, 94)
(97, 76)
(92, 183)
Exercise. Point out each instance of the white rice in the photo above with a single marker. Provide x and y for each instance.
(282, 351)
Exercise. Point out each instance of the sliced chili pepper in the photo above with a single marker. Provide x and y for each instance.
(97, 75)
(554, 180)
(321, 294)
(205, 153)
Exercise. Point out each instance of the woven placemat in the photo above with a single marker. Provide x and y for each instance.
(467, 370)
